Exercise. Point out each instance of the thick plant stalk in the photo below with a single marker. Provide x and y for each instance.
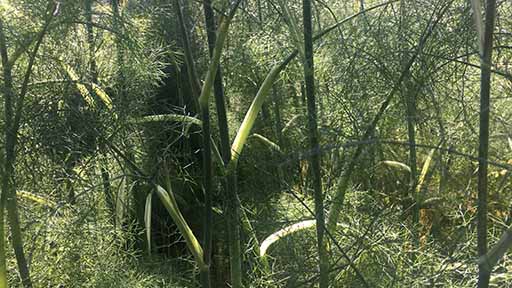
(233, 202)
(489, 260)
(309, 80)
(211, 78)
(17, 237)
(477, 17)
(218, 88)
(222, 34)
(409, 98)
(8, 95)
(90, 41)
(292, 26)
(189, 61)
(3, 267)
(208, 191)
(234, 209)
(225, 149)
(206, 151)
(271, 145)
(116, 26)
(483, 150)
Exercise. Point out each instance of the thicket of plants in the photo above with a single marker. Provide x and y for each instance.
(255, 143)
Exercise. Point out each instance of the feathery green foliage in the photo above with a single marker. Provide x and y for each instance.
(105, 103)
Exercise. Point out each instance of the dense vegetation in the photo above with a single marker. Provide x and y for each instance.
(255, 143)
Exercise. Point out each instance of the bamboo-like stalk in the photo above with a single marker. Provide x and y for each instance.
(483, 150)
(211, 78)
(116, 26)
(477, 17)
(222, 34)
(206, 151)
(291, 22)
(229, 181)
(8, 187)
(93, 71)
(7, 158)
(208, 191)
(236, 214)
(309, 80)
(3, 267)
(189, 61)
(217, 85)
(269, 143)
(488, 261)
(409, 98)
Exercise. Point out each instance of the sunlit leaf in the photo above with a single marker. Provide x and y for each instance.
(424, 171)
(147, 220)
(36, 199)
(267, 142)
(169, 201)
(169, 118)
(283, 233)
(103, 96)
(396, 165)
(81, 87)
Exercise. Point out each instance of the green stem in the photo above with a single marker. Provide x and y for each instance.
(483, 149)
(309, 80)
